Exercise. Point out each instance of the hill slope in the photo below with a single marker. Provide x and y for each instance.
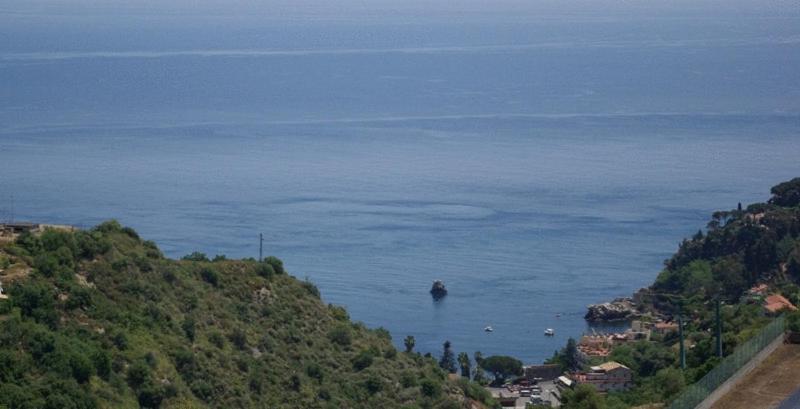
(101, 319)
(742, 247)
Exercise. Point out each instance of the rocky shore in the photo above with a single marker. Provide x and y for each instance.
(620, 309)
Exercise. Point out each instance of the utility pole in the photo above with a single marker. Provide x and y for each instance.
(680, 334)
(260, 246)
(719, 331)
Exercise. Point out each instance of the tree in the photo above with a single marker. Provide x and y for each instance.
(584, 396)
(189, 328)
(501, 367)
(448, 361)
(276, 264)
(479, 376)
(464, 363)
(362, 360)
(409, 342)
(730, 272)
(195, 256)
(786, 194)
(571, 355)
(670, 381)
(341, 335)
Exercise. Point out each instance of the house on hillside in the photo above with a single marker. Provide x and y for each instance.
(756, 294)
(664, 328)
(594, 346)
(607, 377)
(776, 303)
(19, 227)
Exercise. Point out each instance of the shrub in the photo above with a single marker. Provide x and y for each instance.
(276, 264)
(184, 362)
(110, 226)
(338, 313)
(430, 388)
(311, 288)
(91, 244)
(202, 390)
(79, 297)
(120, 340)
(362, 360)
(295, 382)
(53, 240)
(408, 379)
(265, 270)
(151, 249)
(210, 276)
(188, 326)
(238, 338)
(102, 363)
(195, 256)
(46, 264)
(341, 335)
(314, 371)
(217, 339)
(81, 367)
(373, 385)
(138, 374)
(35, 300)
(150, 396)
(119, 265)
(131, 233)
(793, 321)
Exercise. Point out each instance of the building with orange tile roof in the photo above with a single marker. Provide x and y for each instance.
(776, 303)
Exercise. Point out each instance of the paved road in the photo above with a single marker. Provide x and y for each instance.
(792, 402)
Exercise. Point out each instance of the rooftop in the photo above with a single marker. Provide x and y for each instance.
(777, 302)
(608, 366)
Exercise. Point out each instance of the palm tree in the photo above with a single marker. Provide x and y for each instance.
(409, 343)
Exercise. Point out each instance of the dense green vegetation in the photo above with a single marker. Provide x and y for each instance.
(740, 248)
(501, 367)
(103, 320)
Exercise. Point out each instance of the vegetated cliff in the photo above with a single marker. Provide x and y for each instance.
(741, 248)
(758, 245)
(104, 320)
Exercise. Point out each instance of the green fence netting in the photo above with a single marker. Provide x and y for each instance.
(696, 393)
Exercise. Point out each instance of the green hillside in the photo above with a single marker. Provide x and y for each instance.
(740, 248)
(100, 319)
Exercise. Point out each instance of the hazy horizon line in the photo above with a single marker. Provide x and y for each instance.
(234, 52)
(398, 118)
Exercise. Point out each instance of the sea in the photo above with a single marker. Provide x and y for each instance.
(535, 156)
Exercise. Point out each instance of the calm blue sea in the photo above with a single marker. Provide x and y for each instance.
(535, 160)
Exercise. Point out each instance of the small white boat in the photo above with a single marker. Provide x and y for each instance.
(549, 332)
(488, 328)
